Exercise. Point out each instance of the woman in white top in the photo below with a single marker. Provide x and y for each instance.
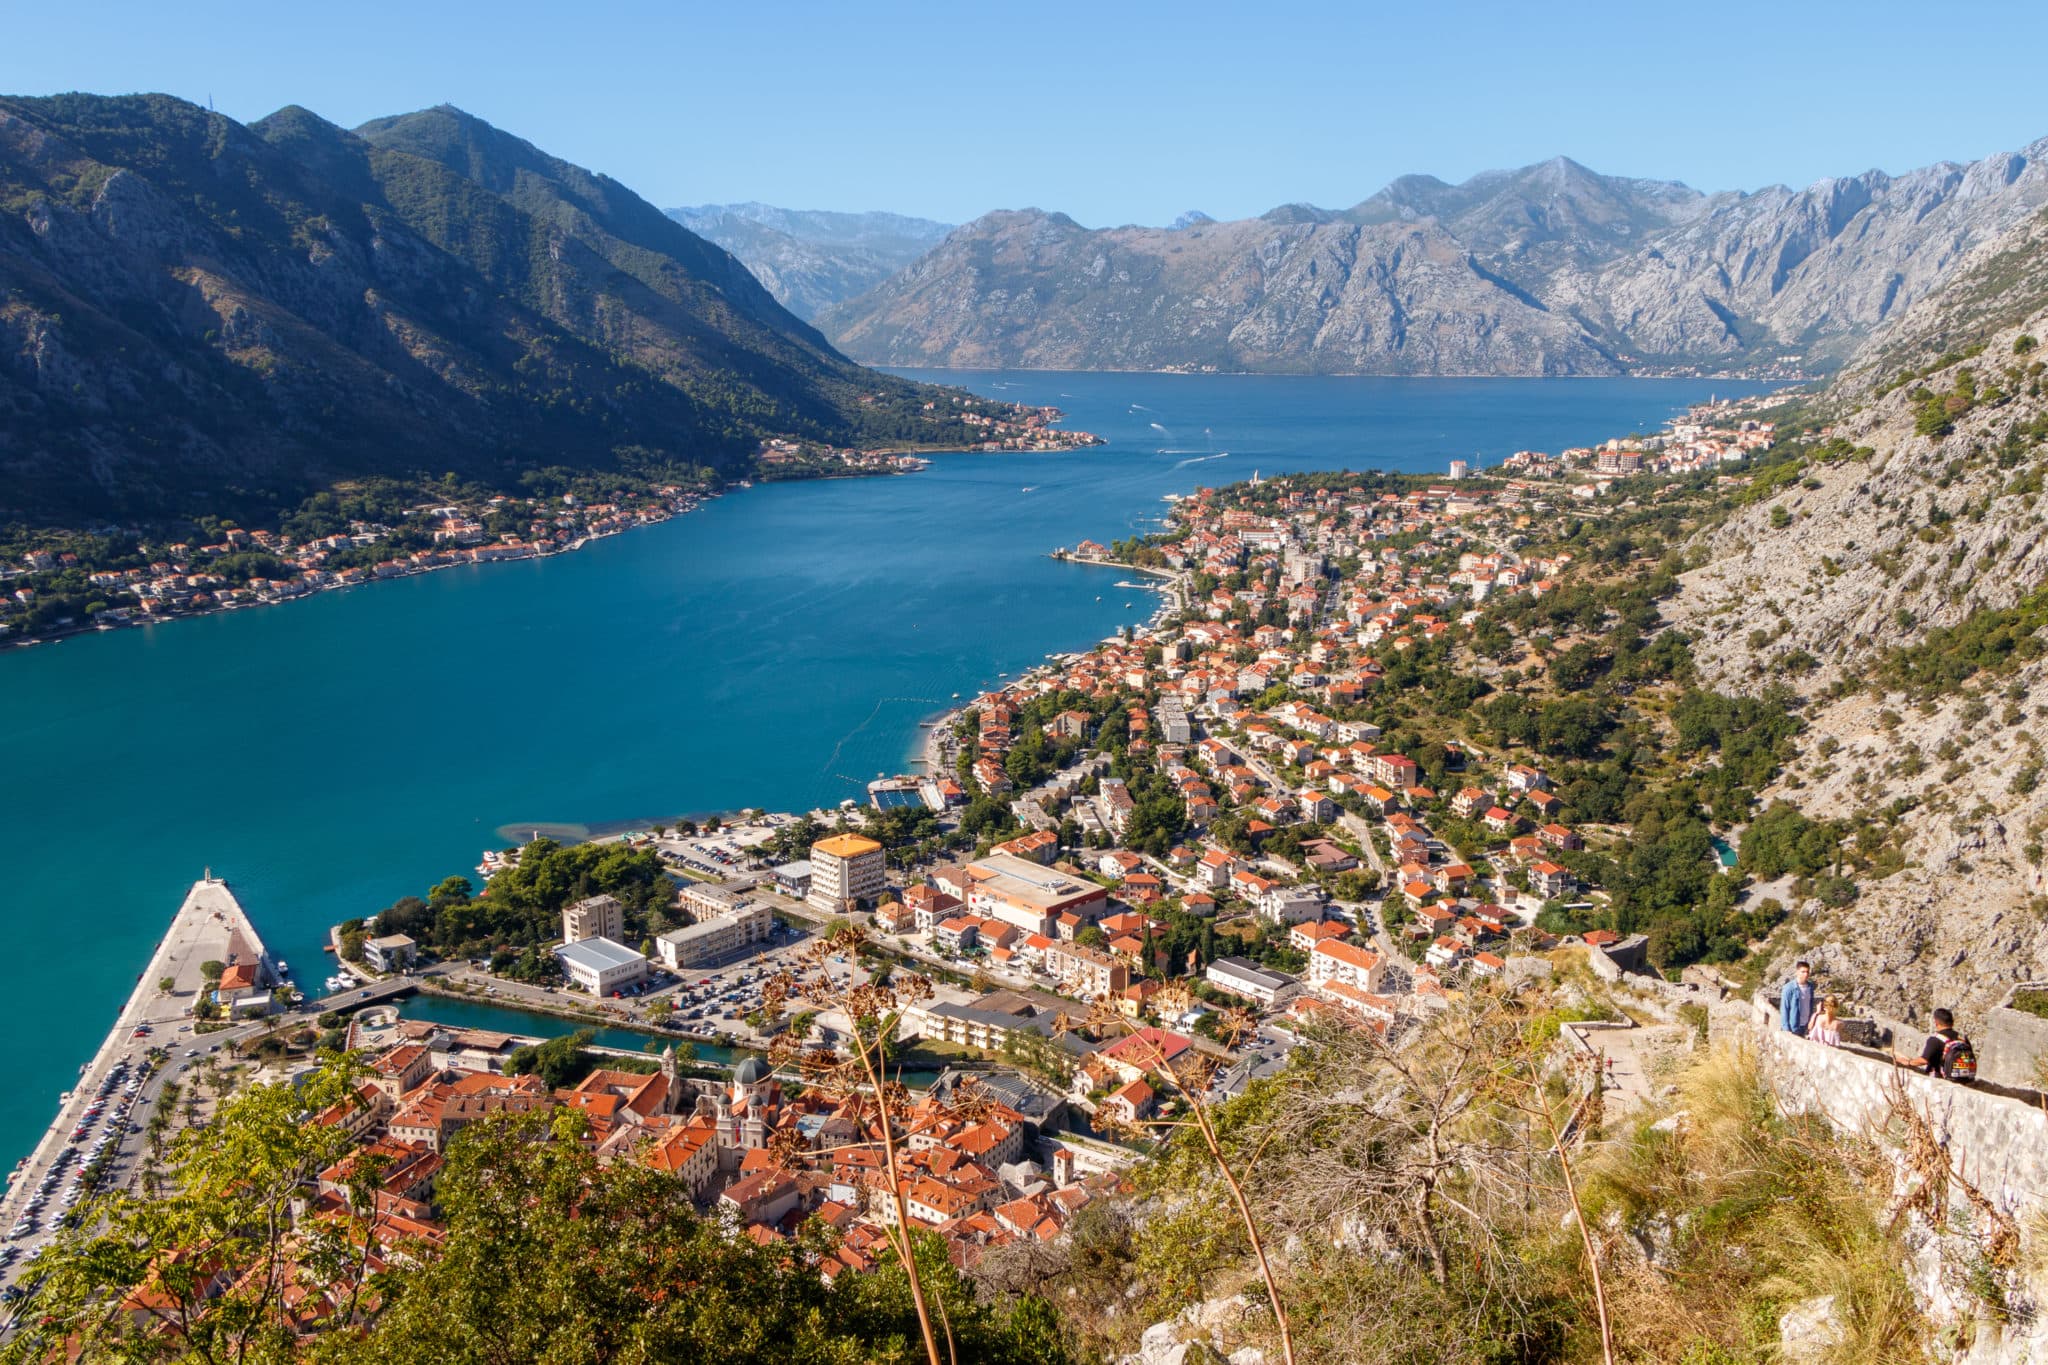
(1826, 1028)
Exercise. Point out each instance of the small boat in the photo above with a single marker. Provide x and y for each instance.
(1032, 489)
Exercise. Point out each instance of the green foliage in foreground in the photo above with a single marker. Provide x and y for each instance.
(549, 1257)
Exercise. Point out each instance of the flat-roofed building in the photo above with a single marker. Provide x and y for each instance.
(391, 953)
(847, 870)
(794, 879)
(1086, 972)
(1031, 897)
(703, 899)
(600, 965)
(715, 936)
(1248, 979)
(594, 917)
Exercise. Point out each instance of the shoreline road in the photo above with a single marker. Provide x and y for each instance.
(106, 1108)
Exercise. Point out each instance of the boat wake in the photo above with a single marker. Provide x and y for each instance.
(1200, 458)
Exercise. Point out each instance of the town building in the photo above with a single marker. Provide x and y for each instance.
(594, 917)
(848, 871)
(601, 965)
(1008, 888)
(715, 936)
(391, 953)
(1248, 979)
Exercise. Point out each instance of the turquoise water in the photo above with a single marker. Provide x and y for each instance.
(504, 1019)
(776, 648)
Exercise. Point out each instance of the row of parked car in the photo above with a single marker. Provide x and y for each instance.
(92, 1162)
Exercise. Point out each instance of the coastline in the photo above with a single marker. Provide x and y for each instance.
(644, 517)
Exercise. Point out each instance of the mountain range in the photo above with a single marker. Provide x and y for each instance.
(198, 316)
(1551, 269)
(810, 259)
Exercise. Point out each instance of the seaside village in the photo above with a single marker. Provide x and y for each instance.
(247, 568)
(1193, 851)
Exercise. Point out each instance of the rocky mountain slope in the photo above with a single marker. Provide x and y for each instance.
(1893, 582)
(810, 259)
(197, 316)
(1552, 269)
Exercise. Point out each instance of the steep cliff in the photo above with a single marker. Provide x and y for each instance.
(1892, 578)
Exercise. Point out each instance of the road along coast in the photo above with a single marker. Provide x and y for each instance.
(210, 926)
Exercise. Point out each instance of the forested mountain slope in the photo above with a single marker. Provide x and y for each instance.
(201, 317)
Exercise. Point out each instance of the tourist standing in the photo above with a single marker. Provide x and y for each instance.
(1947, 1053)
(1795, 1002)
(1826, 1028)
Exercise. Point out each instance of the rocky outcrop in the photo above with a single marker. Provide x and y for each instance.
(1038, 291)
(1552, 269)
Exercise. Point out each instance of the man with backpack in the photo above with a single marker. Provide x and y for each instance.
(1948, 1053)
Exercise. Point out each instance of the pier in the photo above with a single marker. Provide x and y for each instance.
(210, 926)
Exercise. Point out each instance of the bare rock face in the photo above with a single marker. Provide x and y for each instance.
(1899, 539)
(810, 260)
(1551, 269)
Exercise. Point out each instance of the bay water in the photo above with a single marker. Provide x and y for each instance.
(777, 648)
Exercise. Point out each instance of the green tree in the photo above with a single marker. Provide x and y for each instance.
(227, 1205)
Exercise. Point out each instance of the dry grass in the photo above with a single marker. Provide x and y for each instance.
(1761, 1213)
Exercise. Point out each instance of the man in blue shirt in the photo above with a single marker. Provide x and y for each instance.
(1795, 1002)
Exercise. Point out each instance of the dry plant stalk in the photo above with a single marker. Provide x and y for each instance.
(1933, 1175)
(1191, 1078)
(860, 1079)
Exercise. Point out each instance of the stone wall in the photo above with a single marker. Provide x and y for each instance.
(1997, 1143)
(2012, 1043)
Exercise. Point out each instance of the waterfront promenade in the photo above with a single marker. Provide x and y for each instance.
(210, 926)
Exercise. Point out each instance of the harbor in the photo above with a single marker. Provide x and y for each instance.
(95, 1139)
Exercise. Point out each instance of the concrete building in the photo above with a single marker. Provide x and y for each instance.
(794, 879)
(1290, 904)
(594, 917)
(1348, 965)
(847, 871)
(1173, 722)
(714, 936)
(391, 953)
(1248, 979)
(1015, 891)
(601, 965)
(1086, 972)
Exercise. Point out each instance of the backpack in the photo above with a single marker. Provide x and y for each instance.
(1959, 1060)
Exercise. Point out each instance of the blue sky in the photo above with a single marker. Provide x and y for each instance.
(1113, 112)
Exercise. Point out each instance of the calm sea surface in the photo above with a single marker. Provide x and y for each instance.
(776, 649)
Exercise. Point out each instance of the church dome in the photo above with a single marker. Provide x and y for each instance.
(751, 1072)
